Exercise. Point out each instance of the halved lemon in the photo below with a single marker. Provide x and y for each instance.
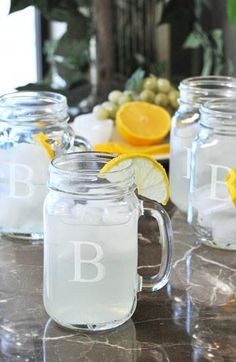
(231, 184)
(42, 139)
(150, 176)
(142, 123)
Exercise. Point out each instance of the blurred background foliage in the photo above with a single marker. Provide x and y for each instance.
(123, 35)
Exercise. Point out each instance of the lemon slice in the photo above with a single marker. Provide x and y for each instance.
(150, 176)
(116, 147)
(231, 184)
(41, 139)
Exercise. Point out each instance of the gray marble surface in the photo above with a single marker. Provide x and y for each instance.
(192, 319)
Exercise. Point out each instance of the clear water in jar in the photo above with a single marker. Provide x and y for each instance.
(91, 263)
(182, 137)
(214, 220)
(23, 178)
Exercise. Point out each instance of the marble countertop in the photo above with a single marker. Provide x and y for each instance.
(192, 319)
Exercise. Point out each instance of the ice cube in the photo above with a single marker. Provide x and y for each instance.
(28, 161)
(94, 130)
(14, 214)
(217, 215)
(116, 215)
(63, 207)
(33, 156)
(84, 215)
(224, 230)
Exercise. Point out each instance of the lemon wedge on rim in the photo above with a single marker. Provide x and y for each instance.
(42, 139)
(150, 176)
(231, 184)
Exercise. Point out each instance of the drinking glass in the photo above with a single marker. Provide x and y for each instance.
(33, 128)
(185, 125)
(91, 243)
(211, 211)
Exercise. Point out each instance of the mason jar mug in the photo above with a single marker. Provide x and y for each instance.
(212, 213)
(33, 129)
(185, 125)
(91, 243)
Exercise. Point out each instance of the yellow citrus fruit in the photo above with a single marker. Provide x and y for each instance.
(116, 147)
(150, 176)
(231, 184)
(42, 139)
(142, 123)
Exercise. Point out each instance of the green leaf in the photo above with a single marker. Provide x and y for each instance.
(134, 83)
(193, 41)
(41, 86)
(77, 92)
(19, 5)
(207, 61)
(67, 46)
(200, 6)
(217, 35)
(231, 10)
(79, 26)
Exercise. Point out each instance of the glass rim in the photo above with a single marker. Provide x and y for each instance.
(30, 107)
(219, 114)
(74, 181)
(78, 156)
(57, 97)
(202, 83)
(220, 107)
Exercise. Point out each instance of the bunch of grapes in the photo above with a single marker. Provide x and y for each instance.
(154, 90)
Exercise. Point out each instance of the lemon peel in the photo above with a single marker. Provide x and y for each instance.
(231, 184)
(42, 139)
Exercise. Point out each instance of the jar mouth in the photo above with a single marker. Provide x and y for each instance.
(219, 112)
(199, 89)
(33, 107)
(78, 173)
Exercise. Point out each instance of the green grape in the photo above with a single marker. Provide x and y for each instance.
(100, 112)
(150, 83)
(173, 98)
(129, 93)
(125, 98)
(147, 96)
(161, 99)
(111, 108)
(163, 85)
(114, 96)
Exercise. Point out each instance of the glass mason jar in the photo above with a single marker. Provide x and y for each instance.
(33, 128)
(211, 210)
(193, 92)
(91, 243)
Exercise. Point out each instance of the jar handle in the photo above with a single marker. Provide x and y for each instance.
(158, 281)
(80, 141)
